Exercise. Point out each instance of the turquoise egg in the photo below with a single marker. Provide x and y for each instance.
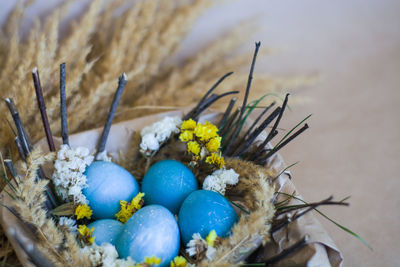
(151, 231)
(107, 184)
(204, 211)
(106, 230)
(168, 183)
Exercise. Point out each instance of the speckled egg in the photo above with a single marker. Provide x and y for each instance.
(151, 231)
(107, 184)
(203, 211)
(168, 183)
(106, 230)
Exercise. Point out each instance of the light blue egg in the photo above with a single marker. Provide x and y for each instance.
(168, 183)
(107, 184)
(151, 231)
(203, 211)
(106, 230)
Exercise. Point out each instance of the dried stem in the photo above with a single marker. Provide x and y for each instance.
(272, 132)
(23, 143)
(63, 106)
(227, 112)
(42, 108)
(196, 109)
(249, 80)
(106, 130)
(288, 251)
(276, 149)
(245, 145)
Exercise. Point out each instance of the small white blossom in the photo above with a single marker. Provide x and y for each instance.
(157, 133)
(218, 180)
(106, 255)
(199, 245)
(196, 244)
(68, 223)
(68, 175)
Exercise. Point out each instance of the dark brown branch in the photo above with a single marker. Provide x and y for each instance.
(23, 140)
(63, 106)
(288, 251)
(211, 100)
(42, 108)
(271, 133)
(227, 113)
(106, 130)
(276, 149)
(195, 109)
(245, 145)
(249, 80)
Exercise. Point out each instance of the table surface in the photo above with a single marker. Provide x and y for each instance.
(352, 147)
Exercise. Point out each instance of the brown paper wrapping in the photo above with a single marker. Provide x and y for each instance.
(320, 250)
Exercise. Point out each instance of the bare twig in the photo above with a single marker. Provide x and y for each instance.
(106, 130)
(63, 106)
(249, 80)
(227, 113)
(42, 108)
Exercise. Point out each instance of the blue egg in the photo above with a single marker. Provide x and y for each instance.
(106, 230)
(151, 231)
(107, 184)
(203, 211)
(168, 183)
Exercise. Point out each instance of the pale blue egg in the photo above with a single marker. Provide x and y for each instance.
(168, 183)
(151, 231)
(106, 230)
(107, 184)
(204, 211)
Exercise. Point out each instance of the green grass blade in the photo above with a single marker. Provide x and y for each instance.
(285, 169)
(332, 221)
(294, 128)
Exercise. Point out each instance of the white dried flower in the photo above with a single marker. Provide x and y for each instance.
(106, 255)
(218, 180)
(103, 156)
(68, 223)
(157, 133)
(196, 245)
(68, 175)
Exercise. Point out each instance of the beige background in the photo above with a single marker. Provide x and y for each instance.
(353, 145)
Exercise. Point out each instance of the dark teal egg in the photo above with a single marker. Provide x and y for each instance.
(107, 184)
(106, 230)
(204, 211)
(151, 231)
(168, 183)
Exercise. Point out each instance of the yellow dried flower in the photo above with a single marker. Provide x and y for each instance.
(189, 124)
(83, 211)
(206, 131)
(216, 159)
(137, 201)
(193, 147)
(152, 260)
(85, 234)
(186, 136)
(212, 236)
(178, 261)
(214, 144)
(129, 208)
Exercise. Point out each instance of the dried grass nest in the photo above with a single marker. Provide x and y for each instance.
(241, 146)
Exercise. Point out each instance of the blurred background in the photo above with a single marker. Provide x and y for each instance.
(352, 148)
